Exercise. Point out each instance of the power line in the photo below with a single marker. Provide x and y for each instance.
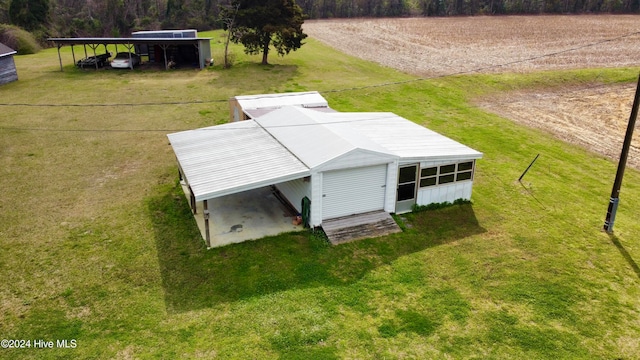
(210, 128)
(116, 104)
(479, 69)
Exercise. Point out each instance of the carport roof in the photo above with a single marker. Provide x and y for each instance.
(230, 158)
(107, 40)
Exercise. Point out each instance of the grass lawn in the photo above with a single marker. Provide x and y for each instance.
(98, 244)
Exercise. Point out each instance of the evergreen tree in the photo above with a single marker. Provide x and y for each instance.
(260, 24)
(29, 14)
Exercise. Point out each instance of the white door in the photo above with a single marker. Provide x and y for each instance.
(407, 185)
(353, 191)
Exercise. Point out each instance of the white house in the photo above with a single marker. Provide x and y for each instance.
(344, 163)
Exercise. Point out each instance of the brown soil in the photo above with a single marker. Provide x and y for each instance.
(594, 117)
(445, 46)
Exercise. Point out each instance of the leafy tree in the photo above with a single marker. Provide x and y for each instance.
(29, 14)
(260, 24)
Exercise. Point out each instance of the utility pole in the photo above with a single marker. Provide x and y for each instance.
(615, 192)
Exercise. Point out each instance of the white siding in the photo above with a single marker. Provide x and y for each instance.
(295, 190)
(316, 199)
(391, 186)
(353, 191)
(426, 164)
(355, 158)
(445, 193)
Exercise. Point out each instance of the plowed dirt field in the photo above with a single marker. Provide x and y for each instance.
(594, 116)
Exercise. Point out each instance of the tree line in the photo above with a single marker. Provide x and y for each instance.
(113, 18)
(398, 8)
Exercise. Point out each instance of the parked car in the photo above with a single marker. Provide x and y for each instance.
(124, 60)
(91, 61)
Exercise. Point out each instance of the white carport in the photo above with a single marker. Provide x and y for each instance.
(344, 163)
(228, 159)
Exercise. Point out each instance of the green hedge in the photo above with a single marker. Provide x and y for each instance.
(18, 39)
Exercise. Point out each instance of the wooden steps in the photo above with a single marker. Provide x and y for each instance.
(361, 226)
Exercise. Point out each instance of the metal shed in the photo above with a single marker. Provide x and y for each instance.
(345, 163)
(8, 72)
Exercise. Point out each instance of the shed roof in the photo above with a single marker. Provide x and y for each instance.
(5, 50)
(274, 101)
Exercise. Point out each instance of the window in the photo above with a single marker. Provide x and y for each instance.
(428, 181)
(428, 176)
(447, 169)
(465, 171)
(446, 179)
(444, 174)
(463, 176)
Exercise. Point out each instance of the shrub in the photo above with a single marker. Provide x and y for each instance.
(18, 39)
(435, 206)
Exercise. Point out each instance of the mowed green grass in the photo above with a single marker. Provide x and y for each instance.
(98, 244)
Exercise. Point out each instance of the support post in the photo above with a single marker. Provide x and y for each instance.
(205, 214)
(617, 184)
(192, 201)
(59, 57)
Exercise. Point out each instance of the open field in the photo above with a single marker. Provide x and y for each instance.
(593, 117)
(589, 115)
(448, 46)
(98, 243)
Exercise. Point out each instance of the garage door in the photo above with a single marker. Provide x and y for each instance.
(353, 191)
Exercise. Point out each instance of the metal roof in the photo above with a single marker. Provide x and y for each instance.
(106, 40)
(254, 113)
(402, 137)
(291, 142)
(230, 158)
(274, 101)
(311, 139)
(5, 50)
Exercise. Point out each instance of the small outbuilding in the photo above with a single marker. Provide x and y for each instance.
(333, 163)
(245, 107)
(8, 72)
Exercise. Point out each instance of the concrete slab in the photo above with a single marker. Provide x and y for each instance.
(248, 215)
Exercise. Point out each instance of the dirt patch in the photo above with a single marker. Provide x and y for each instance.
(446, 46)
(594, 117)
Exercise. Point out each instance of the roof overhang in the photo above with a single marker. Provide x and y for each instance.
(231, 158)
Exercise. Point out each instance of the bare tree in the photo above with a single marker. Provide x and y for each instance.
(228, 17)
